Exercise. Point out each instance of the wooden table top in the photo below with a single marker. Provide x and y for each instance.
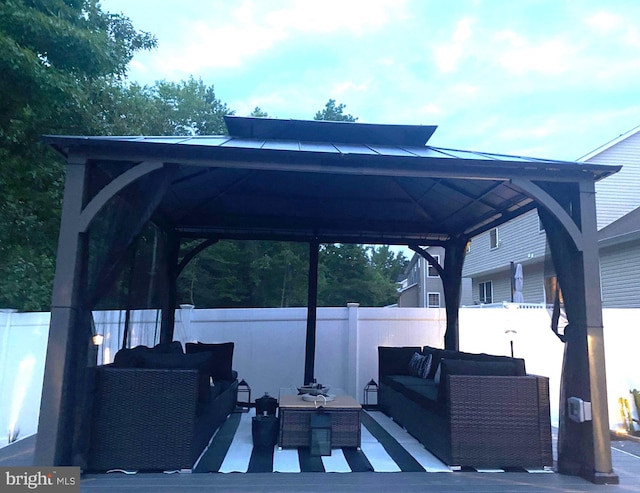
(340, 402)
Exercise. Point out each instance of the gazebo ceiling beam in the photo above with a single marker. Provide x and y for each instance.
(416, 202)
(326, 238)
(375, 165)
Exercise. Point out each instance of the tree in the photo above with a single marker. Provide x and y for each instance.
(334, 113)
(233, 274)
(166, 108)
(56, 57)
(258, 113)
(386, 263)
(347, 274)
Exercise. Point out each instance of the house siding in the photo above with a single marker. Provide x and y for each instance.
(519, 241)
(620, 275)
(533, 287)
(409, 297)
(416, 293)
(618, 194)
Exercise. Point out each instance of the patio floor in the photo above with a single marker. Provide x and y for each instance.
(625, 454)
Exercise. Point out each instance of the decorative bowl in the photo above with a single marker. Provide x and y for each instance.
(308, 389)
(318, 399)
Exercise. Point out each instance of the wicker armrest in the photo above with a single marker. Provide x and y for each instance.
(501, 413)
(143, 418)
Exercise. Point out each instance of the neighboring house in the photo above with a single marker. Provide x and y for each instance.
(489, 259)
(421, 286)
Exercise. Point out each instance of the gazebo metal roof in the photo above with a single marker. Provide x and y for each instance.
(330, 181)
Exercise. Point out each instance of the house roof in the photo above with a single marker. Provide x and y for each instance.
(609, 144)
(329, 181)
(626, 228)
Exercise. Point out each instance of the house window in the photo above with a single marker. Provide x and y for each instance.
(486, 292)
(434, 300)
(431, 271)
(493, 238)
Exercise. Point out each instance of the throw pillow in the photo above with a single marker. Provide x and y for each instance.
(435, 359)
(221, 366)
(425, 368)
(415, 363)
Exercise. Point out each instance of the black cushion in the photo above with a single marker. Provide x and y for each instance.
(426, 396)
(221, 365)
(398, 381)
(200, 362)
(440, 354)
(174, 347)
(131, 357)
(395, 360)
(419, 390)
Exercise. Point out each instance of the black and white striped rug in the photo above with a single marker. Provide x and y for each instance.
(386, 447)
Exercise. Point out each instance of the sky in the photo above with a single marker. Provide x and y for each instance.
(548, 78)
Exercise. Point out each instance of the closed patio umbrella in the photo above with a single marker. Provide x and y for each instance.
(518, 297)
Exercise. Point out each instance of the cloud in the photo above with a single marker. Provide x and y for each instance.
(519, 55)
(343, 88)
(447, 56)
(603, 22)
(233, 37)
(328, 16)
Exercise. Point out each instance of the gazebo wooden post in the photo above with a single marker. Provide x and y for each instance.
(67, 349)
(451, 276)
(169, 298)
(455, 250)
(603, 472)
(312, 305)
(585, 448)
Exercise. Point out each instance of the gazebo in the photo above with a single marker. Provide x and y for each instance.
(315, 182)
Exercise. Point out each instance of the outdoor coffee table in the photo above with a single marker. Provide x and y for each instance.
(295, 415)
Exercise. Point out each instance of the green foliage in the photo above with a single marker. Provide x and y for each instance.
(166, 108)
(258, 113)
(233, 274)
(56, 57)
(348, 273)
(334, 113)
(63, 67)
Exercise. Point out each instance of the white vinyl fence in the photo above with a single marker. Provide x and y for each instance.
(270, 347)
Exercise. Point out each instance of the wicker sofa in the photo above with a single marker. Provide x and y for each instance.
(470, 410)
(156, 416)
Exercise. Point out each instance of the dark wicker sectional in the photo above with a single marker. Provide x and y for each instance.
(480, 421)
(152, 419)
